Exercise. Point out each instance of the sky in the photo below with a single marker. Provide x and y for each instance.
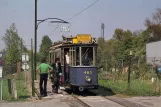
(124, 14)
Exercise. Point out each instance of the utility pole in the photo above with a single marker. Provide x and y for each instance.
(35, 52)
(32, 71)
(36, 27)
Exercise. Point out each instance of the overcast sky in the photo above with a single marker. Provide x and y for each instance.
(125, 14)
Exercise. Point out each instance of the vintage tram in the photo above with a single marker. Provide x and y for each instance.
(78, 59)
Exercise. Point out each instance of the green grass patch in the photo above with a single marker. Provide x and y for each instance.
(22, 91)
(137, 87)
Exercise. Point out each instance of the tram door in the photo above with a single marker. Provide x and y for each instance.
(67, 62)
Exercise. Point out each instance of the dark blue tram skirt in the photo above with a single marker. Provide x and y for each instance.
(84, 76)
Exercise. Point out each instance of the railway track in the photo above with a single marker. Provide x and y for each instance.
(123, 102)
(81, 102)
(75, 100)
(91, 99)
(85, 99)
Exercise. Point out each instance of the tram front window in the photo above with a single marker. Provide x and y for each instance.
(87, 56)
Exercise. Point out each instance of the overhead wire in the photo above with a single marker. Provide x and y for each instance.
(75, 16)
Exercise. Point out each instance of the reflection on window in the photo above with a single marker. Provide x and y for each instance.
(87, 56)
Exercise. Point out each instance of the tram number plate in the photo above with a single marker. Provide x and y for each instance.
(87, 72)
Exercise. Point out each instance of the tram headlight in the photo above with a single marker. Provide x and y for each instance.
(88, 78)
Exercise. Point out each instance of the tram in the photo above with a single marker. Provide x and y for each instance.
(78, 61)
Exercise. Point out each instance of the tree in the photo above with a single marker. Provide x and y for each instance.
(118, 34)
(100, 50)
(13, 48)
(46, 43)
(154, 26)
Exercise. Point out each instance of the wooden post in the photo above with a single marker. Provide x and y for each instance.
(18, 68)
(9, 88)
(14, 89)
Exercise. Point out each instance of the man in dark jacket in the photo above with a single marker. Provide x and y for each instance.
(56, 75)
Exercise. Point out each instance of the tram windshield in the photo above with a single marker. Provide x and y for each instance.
(87, 56)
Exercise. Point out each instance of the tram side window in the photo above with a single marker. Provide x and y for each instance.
(77, 57)
(87, 56)
(72, 56)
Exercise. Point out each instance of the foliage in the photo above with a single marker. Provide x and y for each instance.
(21, 89)
(114, 58)
(113, 54)
(46, 43)
(137, 87)
(154, 26)
(13, 48)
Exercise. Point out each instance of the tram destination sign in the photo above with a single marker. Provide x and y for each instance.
(84, 38)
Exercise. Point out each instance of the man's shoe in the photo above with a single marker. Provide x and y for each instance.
(41, 95)
(55, 91)
(45, 96)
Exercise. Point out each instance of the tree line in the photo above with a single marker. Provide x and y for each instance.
(15, 46)
(112, 54)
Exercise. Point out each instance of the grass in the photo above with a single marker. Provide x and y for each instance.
(137, 87)
(22, 92)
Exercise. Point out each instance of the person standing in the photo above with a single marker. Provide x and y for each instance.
(43, 69)
(67, 66)
(57, 71)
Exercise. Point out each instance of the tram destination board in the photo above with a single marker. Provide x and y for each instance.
(84, 38)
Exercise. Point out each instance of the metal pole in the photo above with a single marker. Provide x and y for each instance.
(32, 71)
(80, 55)
(20, 64)
(1, 88)
(21, 58)
(25, 70)
(25, 75)
(35, 52)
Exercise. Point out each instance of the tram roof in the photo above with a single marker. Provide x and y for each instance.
(84, 40)
(65, 44)
(77, 45)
